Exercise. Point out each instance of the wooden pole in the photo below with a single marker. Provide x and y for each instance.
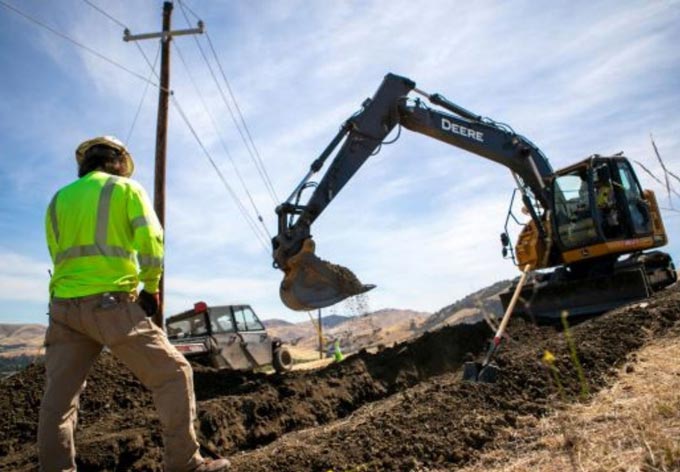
(320, 335)
(162, 123)
(162, 138)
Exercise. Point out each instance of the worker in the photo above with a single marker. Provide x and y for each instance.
(604, 199)
(604, 195)
(337, 353)
(104, 239)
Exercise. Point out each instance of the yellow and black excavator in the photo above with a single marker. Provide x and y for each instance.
(591, 221)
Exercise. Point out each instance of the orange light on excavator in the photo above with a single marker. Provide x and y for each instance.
(200, 307)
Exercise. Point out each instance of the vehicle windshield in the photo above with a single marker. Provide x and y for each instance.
(192, 326)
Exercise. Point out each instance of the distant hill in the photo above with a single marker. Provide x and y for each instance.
(21, 339)
(331, 321)
(20, 345)
(382, 327)
(470, 308)
(275, 323)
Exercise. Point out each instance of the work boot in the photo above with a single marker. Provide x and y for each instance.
(214, 465)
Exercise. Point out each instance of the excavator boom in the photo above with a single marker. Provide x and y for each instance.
(309, 281)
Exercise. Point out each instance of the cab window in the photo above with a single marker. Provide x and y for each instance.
(198, 325)
(246, 320)
(220, 320)
(178, 329)
(573, 213)
(639, 212)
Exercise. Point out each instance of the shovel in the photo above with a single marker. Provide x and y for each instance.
(487, 371)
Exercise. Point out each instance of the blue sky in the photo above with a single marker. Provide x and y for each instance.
(421, 219)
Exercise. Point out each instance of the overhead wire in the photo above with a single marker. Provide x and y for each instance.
(141, 101)
(185, 118)
(146, 59)
(246, 136)
(252, 225)
(106, 14)
(243, 121)
(77, 43)
(221, 139)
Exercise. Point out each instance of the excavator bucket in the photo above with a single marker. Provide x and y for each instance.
(311, 282)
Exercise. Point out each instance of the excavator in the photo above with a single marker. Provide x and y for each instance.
(587, 241)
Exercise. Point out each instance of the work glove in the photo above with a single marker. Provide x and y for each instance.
(149, 302)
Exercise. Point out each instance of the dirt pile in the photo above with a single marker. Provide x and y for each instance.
(404, 408)
(444, 423)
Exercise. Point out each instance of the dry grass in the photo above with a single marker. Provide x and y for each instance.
(632, 426)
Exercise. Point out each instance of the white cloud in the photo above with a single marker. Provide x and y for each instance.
(23, 278)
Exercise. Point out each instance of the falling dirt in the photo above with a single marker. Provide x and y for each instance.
(403, 408)
(357, 305)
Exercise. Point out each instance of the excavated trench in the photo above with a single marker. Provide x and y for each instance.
(404, 408)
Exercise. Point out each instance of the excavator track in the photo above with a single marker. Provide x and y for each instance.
(633, 279)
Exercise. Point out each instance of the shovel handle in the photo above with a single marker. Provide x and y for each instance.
(506, 318)
(511, 305)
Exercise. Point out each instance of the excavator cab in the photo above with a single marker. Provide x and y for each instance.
(598, 204)
(600, 213)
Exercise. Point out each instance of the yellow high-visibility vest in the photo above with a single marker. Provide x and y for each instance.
(103, 236)
(603, 197)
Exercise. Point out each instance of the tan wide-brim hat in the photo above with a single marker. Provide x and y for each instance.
(110, 141)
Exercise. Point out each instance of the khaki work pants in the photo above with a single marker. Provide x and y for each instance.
(78, 330)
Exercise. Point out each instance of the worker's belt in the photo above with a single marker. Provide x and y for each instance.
(117, 296)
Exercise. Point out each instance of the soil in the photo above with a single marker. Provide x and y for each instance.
(404, 408)
(310, 280)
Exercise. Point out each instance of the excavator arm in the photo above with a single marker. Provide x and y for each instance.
(313, 283)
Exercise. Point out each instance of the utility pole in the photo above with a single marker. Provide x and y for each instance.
(162, 124)
(321, 353)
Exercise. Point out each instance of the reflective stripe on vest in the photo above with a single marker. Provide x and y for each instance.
(145, 260)
(140, 221)
(99, 248)
(150, 261)
(53, 217)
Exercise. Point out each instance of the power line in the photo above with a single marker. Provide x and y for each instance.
(139, 76)
(77, 43)
(224, 146)
(110, 17)
(245, 137)
(252, 225)
(124, 26)
(141, 101)
(151, 66)
(243, 121)
(183, 115)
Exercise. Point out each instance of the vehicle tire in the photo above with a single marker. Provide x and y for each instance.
(282, 360)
